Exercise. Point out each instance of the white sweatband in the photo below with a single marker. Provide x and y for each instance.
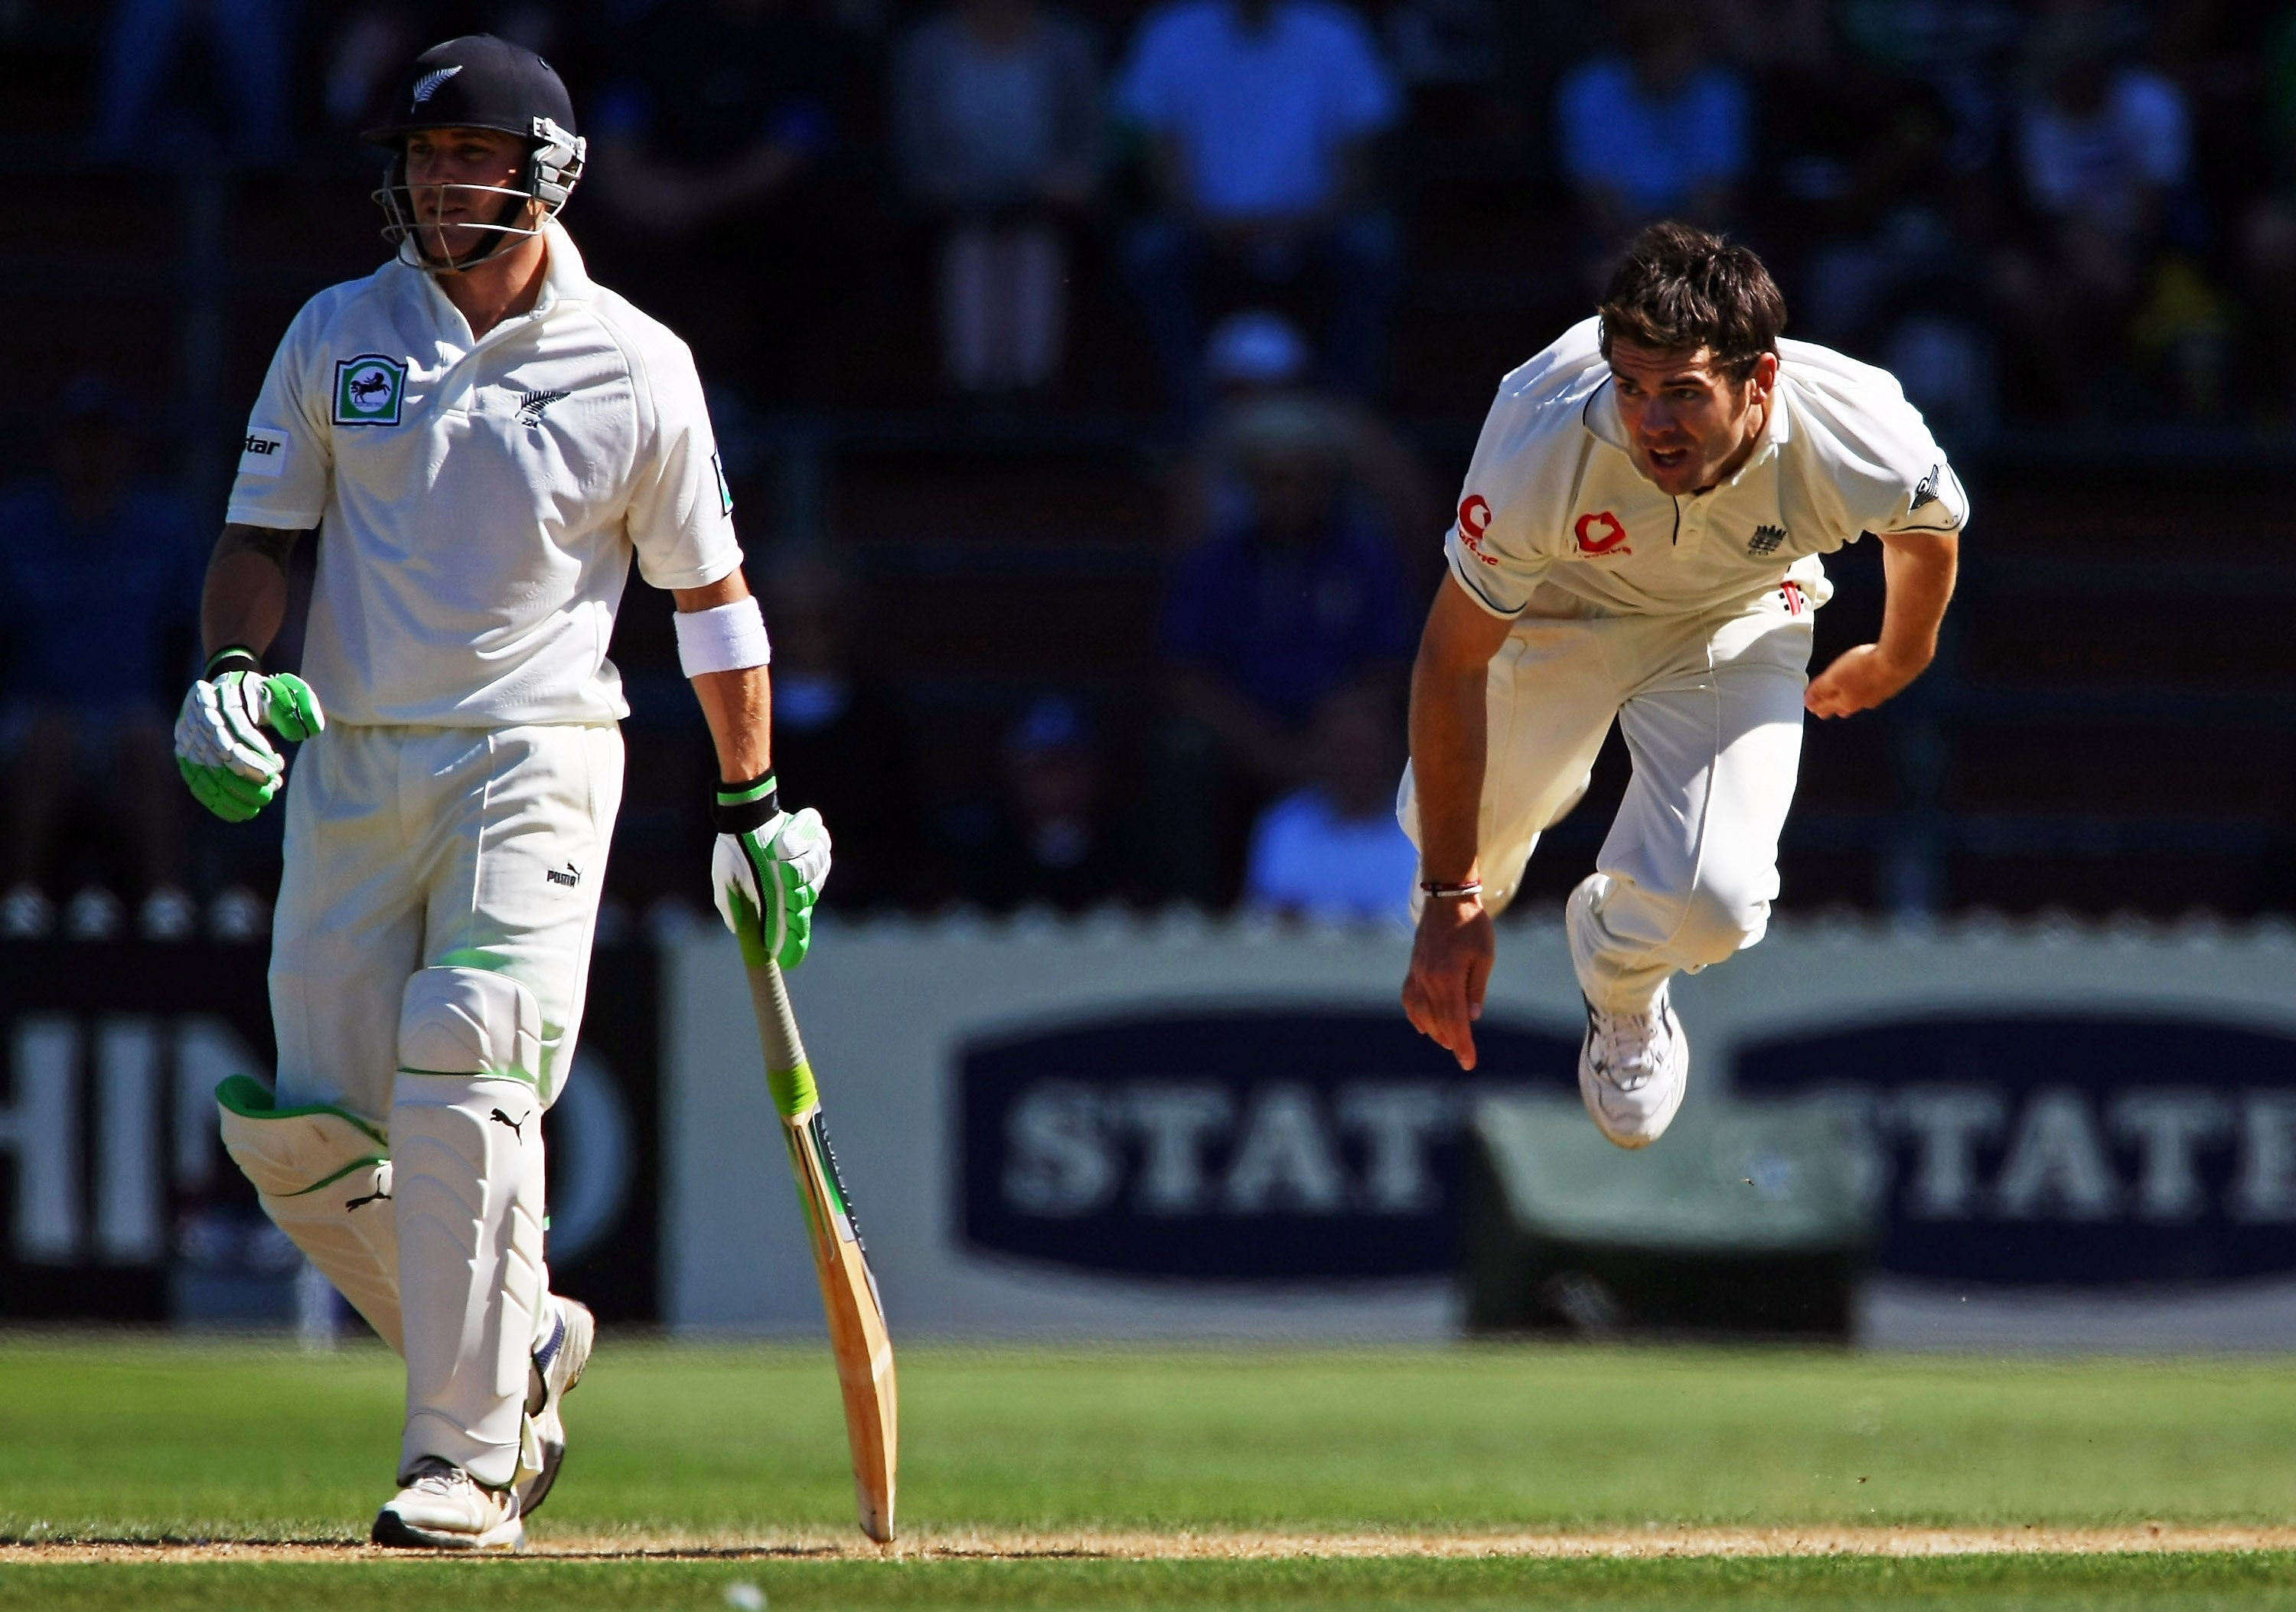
(725, 639)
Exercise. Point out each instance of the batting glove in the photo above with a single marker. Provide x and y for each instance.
(231, 768)
(768, 868)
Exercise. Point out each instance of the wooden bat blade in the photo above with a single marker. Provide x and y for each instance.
(858, 1340)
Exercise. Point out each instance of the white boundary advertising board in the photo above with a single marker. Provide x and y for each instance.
(1175, 1129)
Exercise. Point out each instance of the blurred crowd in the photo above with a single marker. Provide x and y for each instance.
(2044, 209)
(2053, 212)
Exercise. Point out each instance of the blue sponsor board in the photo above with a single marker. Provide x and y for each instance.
(1300, 1144)
(2064, 1149)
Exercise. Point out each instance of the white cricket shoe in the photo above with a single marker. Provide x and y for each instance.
(557, 1368)
(1633, 1069)
(443, 1507)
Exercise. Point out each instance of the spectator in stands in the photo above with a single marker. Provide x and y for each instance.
(83, 707)
(1257, 361)
(1660, 130)
(707, 146)
(841, 739)
(1964, 52)
(1260, 623)
(1260, 116)
(1333, 851)
(248, 45)
(2101, 146)
(1055, 845)
(997, 135)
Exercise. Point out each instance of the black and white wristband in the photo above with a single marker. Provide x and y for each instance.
(741, 807)
(231, 657)
(1435, 890)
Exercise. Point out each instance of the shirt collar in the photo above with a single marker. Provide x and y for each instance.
(564, 280)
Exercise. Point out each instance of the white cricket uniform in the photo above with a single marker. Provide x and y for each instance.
(1686, 619)
(477, 504)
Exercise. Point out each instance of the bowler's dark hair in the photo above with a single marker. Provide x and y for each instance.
(1679, 288)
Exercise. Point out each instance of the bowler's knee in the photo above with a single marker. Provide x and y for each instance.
(1719, 917)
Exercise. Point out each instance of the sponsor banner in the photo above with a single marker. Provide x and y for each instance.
(2076, 1138)
(118, 1202)
(1163, 1129)
(1315, 1144)
(1173, 1129)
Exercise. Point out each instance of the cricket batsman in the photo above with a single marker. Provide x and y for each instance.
(482, 437)
(1639, 540)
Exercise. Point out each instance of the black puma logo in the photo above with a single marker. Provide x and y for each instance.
(500, 1118)
(570, 878)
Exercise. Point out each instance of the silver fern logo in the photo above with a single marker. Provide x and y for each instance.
(427, 85)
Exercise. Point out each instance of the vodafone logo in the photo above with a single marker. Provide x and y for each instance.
(1601, 534)
(1474, 521)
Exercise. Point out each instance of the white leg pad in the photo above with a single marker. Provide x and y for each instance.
(323, 1176)
(465, 1125)
(469, 1021)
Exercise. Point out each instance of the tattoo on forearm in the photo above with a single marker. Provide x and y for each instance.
(270, 542)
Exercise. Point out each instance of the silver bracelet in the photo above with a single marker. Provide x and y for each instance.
(1440, 892)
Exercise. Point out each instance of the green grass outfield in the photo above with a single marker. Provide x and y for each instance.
(1056, 1469)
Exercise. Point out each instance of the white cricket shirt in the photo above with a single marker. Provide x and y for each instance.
(1556, 520)
(479, 501)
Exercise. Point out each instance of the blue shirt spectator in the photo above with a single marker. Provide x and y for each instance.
(1333, 849)
(1281, 611)
(136, 561)
(1260, 118)
(102, 577)
(1311, 859)
(1654, 145)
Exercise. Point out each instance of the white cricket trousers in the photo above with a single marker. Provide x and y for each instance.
(1711, 707)
(429, 956)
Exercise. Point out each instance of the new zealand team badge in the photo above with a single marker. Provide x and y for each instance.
(368, 390)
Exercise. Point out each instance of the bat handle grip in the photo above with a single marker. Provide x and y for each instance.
(786, 1069)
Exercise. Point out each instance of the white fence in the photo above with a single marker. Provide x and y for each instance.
(2082, 1139)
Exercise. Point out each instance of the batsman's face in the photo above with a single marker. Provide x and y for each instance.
(456, 177)
(1689, 423)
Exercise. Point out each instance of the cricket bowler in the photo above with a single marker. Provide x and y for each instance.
(1640, 540)
(482, 437)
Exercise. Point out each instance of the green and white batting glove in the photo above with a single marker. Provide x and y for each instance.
(233, 768)
(768, 869)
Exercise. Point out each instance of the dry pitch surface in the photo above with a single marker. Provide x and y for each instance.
(1653, 1542)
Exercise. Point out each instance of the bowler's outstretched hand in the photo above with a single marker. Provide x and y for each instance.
(1451, 960)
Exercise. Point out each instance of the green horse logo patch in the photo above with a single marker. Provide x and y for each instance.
(368, 390)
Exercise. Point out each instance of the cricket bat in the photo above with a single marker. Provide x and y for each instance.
(856, 1317)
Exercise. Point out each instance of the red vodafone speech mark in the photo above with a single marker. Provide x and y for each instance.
(1474, 521)
(1613, 538)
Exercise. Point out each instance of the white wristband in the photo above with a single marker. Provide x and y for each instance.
(725, 639)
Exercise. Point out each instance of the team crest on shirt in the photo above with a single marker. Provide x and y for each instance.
(532, 406)
(368, 390)
(1766, 541)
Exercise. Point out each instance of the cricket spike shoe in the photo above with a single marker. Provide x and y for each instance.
(1633, 1069)
(557, 1368)
(443, 1507)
